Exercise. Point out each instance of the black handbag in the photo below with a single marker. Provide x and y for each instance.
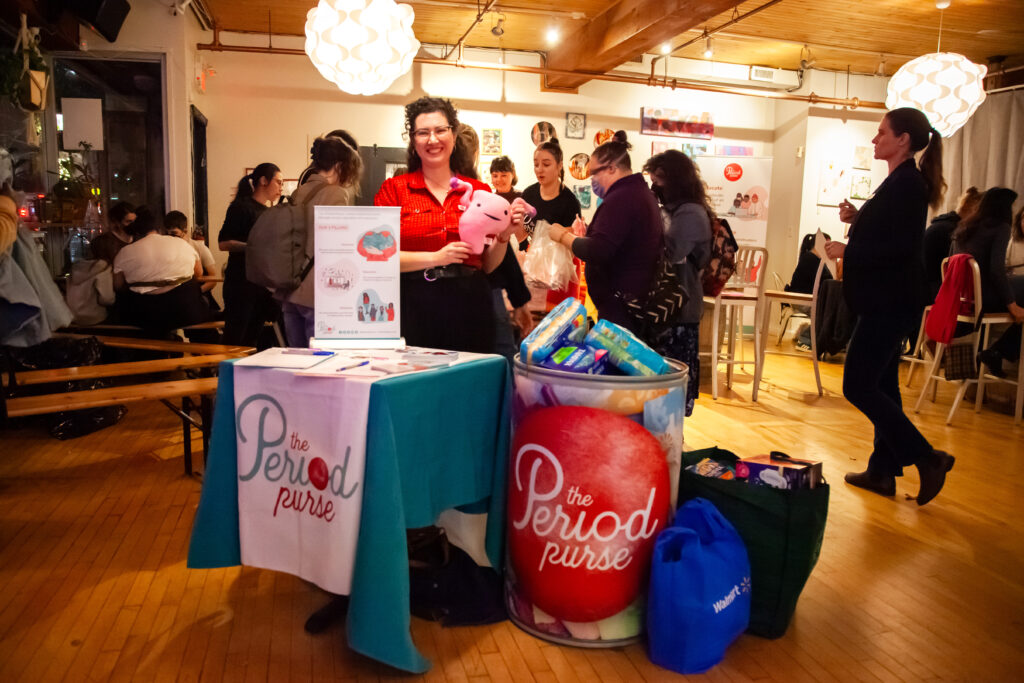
(662, 306)
(959, 362)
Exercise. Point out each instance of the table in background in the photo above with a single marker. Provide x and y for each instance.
(435, 440)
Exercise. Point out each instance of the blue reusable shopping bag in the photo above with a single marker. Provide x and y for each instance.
(699, 596)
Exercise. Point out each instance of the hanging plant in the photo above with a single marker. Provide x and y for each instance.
(24, 75)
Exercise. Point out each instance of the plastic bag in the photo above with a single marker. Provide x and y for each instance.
(699, 597)
(64, 353)
(548, 264)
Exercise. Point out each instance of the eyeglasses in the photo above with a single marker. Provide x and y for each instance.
(423, 134)
(595, 171)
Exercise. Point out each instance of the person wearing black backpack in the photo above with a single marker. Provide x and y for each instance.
(336, 170)
(247, 306)
(688, 217)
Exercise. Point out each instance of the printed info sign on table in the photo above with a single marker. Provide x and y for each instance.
(357, 273)
(301, 456)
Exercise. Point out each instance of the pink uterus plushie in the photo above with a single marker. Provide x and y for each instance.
(485, 216)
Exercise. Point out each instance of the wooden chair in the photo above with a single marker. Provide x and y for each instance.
(940, 348)
(787, 314)
(987, 321)
(794, 299)
(745, 290)
(920, 355)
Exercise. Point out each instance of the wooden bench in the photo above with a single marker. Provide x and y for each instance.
(194, 356)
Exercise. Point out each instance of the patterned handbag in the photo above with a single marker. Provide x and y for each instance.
(960, 362)
(663, 304)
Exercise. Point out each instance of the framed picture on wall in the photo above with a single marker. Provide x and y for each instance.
(860, 185)
(490, 142)
(288, 187)
(863, 155)
(575, 124)
(582, 193)
(833, 184)
(673, 123)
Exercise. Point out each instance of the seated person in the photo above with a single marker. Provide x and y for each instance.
(106, 245)
(156, 277)
(985, 236)
(176, 225)
(802, 281)
(939, 236)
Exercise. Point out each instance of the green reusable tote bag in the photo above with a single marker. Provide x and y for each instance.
(782, 529)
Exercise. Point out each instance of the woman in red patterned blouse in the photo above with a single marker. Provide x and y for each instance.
(446, 300)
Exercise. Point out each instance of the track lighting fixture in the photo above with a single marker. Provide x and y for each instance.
(498, 30)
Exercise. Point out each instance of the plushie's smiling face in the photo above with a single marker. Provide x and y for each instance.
(486, 217)
(490, 207)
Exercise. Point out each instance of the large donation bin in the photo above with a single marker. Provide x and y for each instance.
(593, 473)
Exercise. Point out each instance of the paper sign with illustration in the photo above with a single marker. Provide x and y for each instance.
(356, 272)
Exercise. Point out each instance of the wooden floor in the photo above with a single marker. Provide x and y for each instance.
(94, 532)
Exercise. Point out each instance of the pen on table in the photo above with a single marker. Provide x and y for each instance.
(307, 352)
(352, 367)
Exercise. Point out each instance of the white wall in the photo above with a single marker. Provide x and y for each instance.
(270, 107)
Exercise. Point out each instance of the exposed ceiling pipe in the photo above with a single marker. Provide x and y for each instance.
(673, 83)
(479, 17)
(706, 33)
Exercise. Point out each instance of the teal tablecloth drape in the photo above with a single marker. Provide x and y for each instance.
(435, 440)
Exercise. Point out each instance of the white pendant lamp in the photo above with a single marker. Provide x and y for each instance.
(361, 46)
(946, 86)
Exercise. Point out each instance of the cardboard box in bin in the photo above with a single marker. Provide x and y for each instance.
(779, 471)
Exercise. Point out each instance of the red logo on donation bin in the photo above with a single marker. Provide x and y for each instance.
(588, 494)
(733, 172)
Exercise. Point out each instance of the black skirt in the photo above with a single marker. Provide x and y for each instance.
(452, 311)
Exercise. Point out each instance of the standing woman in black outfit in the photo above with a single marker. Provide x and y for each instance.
(555, 203)
(884, 286)
(247, 306)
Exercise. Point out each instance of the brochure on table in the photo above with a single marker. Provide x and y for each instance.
(356, 275)
(738, 189)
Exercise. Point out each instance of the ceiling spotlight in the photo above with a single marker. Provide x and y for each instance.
(552, 36)
(709, 51)
(666, 49)
(942, 4)
(498, 29)
(880, 71)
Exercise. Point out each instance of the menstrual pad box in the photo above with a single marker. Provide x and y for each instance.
(780, 473)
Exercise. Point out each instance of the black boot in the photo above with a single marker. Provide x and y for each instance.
(876, 483)
(933, 470)
(328, 615)
(993, 360)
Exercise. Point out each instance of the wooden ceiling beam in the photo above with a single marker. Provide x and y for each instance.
(623, 31)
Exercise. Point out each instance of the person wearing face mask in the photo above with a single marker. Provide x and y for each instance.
(687, 216)
(622, 243)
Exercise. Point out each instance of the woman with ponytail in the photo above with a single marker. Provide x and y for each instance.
(884, 286)
(246, 305)
(333, 181)
(624, 239)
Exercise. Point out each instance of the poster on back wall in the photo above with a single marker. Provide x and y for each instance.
(739, 191)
